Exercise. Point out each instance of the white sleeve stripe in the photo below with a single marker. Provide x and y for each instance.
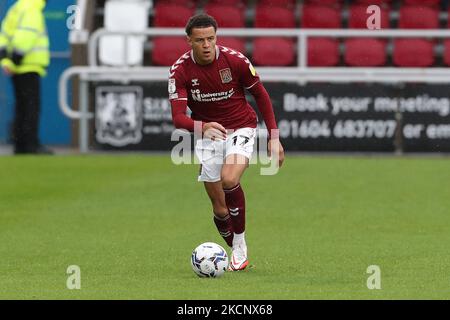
(252, 85)
(180, 99)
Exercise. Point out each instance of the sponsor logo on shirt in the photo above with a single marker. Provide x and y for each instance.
(211, 97)
(195, 82)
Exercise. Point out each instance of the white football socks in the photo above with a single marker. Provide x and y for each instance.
(238, 239)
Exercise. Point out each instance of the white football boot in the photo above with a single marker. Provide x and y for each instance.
(239, 259)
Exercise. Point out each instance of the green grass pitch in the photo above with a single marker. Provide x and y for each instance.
(131, 222)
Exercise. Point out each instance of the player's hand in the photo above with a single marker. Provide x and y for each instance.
(274, 147)
(214, 131)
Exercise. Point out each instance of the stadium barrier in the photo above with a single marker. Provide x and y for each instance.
(143, 86)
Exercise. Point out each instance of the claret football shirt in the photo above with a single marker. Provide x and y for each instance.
(215, 92)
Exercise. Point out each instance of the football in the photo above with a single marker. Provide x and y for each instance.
(209, 260)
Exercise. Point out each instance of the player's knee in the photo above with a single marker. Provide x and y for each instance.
(221, 212)
(229, 182)
(219, 208)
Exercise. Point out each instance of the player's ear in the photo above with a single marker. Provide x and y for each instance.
(188, 39)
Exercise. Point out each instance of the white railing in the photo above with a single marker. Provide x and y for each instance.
(301, 73)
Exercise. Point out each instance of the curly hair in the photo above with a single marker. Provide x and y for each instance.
(201, 20)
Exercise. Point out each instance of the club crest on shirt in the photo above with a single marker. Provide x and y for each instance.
(225, 75)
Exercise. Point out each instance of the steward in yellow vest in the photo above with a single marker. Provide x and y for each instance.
(24, 54)
(24, 43)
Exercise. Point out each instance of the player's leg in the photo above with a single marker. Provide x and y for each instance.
(239, 150)
(222, 218)
(232, 171)
(210, 154)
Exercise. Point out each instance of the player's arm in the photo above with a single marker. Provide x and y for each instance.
(212, 130)
(178, 101)
(179, 117)
(264, 104)
(250, 80)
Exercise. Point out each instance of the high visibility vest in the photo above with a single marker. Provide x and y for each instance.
(24, 43)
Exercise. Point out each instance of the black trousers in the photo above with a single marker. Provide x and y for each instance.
(27, 91)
